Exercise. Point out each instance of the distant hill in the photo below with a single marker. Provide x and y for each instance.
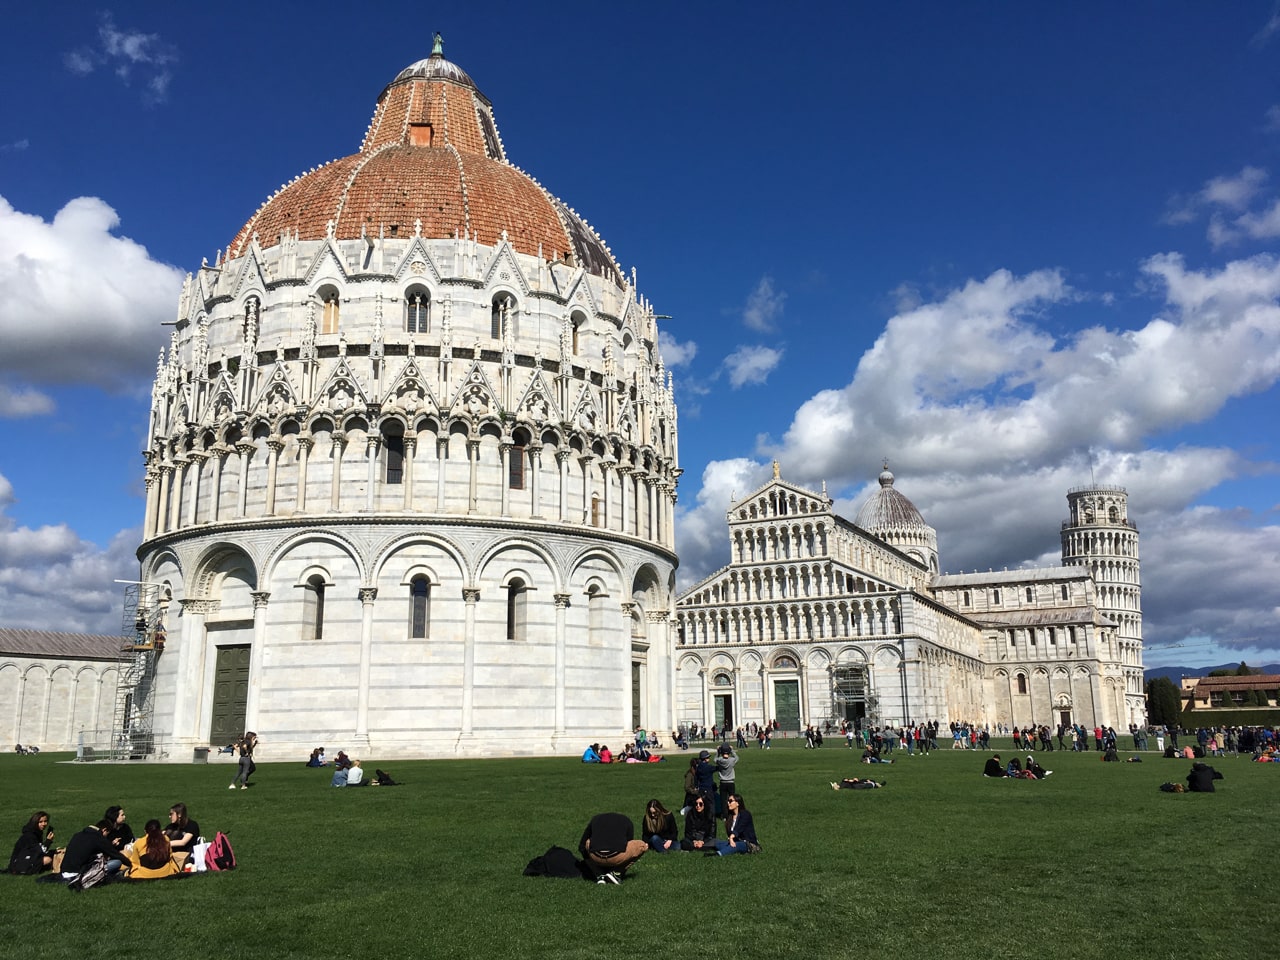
(1177, 673)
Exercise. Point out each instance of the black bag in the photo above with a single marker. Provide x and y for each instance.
(26, 862)
(92, 875)
(556, 862)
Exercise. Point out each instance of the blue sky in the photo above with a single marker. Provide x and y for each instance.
(993, 243)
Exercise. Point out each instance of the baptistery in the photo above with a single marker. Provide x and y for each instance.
(412, 462)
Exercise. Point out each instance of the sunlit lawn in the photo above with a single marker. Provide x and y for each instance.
(1092, 862)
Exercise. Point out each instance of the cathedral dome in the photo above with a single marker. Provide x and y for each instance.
(431, 164)
(888, 509)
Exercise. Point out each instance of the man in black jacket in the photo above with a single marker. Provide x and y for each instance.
(87, 844)
(608, 846)
(1201, 777)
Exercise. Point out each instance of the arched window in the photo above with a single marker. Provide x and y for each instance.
(418, 310)
(595, 616)
(517, 596)
(515, 466)
(1064, 591)
(502, 316)
(576, 322)
(968, 598)
(1022, 683)
(313, 608)
(1030, 595)
(419, 607)
(329, 320)
(995, 596)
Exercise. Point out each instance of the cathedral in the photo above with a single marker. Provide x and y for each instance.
(817, 619)
(411, 476)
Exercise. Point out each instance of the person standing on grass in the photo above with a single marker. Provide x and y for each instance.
(246, 745)
(726, 760)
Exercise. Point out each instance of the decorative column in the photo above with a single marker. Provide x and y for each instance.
(442, 459)
(245, 449)
(180, 463)
(473, 464)
(535, 470)
(470, 597)
(372, 442)
(198, 458)
(624, 480)
(562, 604)
(275, 443)
(628, 617)
(585, 462)
(660, 665)
(606, 514)
(562, 463)
(149, 528)
(256, 655)
(410, 450)
(162, 519)
(504, 476)
(187, 695)
(220, 453)
(367, 596)
(335, 483)
(304, 454)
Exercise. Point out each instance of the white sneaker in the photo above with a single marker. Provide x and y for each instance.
(232, 787)
(614, 878)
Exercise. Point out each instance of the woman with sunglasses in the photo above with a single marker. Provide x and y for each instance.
(740, 827)
(699, 826)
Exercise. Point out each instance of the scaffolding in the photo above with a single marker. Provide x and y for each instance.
(142, 639)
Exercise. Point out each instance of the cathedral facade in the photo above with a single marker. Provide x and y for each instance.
(817, 618)
(412, 462)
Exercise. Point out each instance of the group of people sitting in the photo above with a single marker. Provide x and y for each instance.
(20, 749)
(609, 844)
(1032, 771)
(161, 851)
(349, 773)
(632, 753)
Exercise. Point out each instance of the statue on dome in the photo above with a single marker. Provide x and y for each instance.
(777, 470)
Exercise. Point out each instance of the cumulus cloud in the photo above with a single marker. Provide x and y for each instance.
(764, 306)
(675, 353)
(128, 54)
(702, 537)
(751, 365)
(51, 579)
(72, 281)
(988, 419)
(1228, 204)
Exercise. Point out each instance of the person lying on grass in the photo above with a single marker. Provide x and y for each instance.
(854, 783)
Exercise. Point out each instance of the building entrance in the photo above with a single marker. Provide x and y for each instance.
(230, 694)
(786, 704)
(724, 711)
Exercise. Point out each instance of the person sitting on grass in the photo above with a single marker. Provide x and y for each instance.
(183, 832)
(33, 853)
(355, 775)
(151, 857)
(699, 826)
(382, 779)
(84, 847)
(870, 755)
(606, 755)
(1201, 777)
(659, 828)
(740, 827)
(121, 833)
(994, 767)
(591, 754)
(608, 847)
(854, 783)
(1035, 769)
(339, 778)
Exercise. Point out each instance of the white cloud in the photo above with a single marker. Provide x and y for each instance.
(1227, 201)
(1263, 224)
(674, 353)
(1271, 119)
(39, 565)
(72, 281)
(23, 402)
(702, 537)
(764, 306)
(988, 419)
(123, 52)
(17, 146)
(1235, 192)
(1269, 29)
(751, 364)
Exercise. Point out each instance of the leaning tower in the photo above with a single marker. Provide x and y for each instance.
(1100, 536)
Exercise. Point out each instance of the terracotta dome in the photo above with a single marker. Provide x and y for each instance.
(431, 162)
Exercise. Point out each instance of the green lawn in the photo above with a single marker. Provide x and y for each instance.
(1092, 862)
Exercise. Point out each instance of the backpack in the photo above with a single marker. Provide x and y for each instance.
(92, 875)
(220, 856)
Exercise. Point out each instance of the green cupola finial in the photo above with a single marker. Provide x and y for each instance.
(437, 47)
